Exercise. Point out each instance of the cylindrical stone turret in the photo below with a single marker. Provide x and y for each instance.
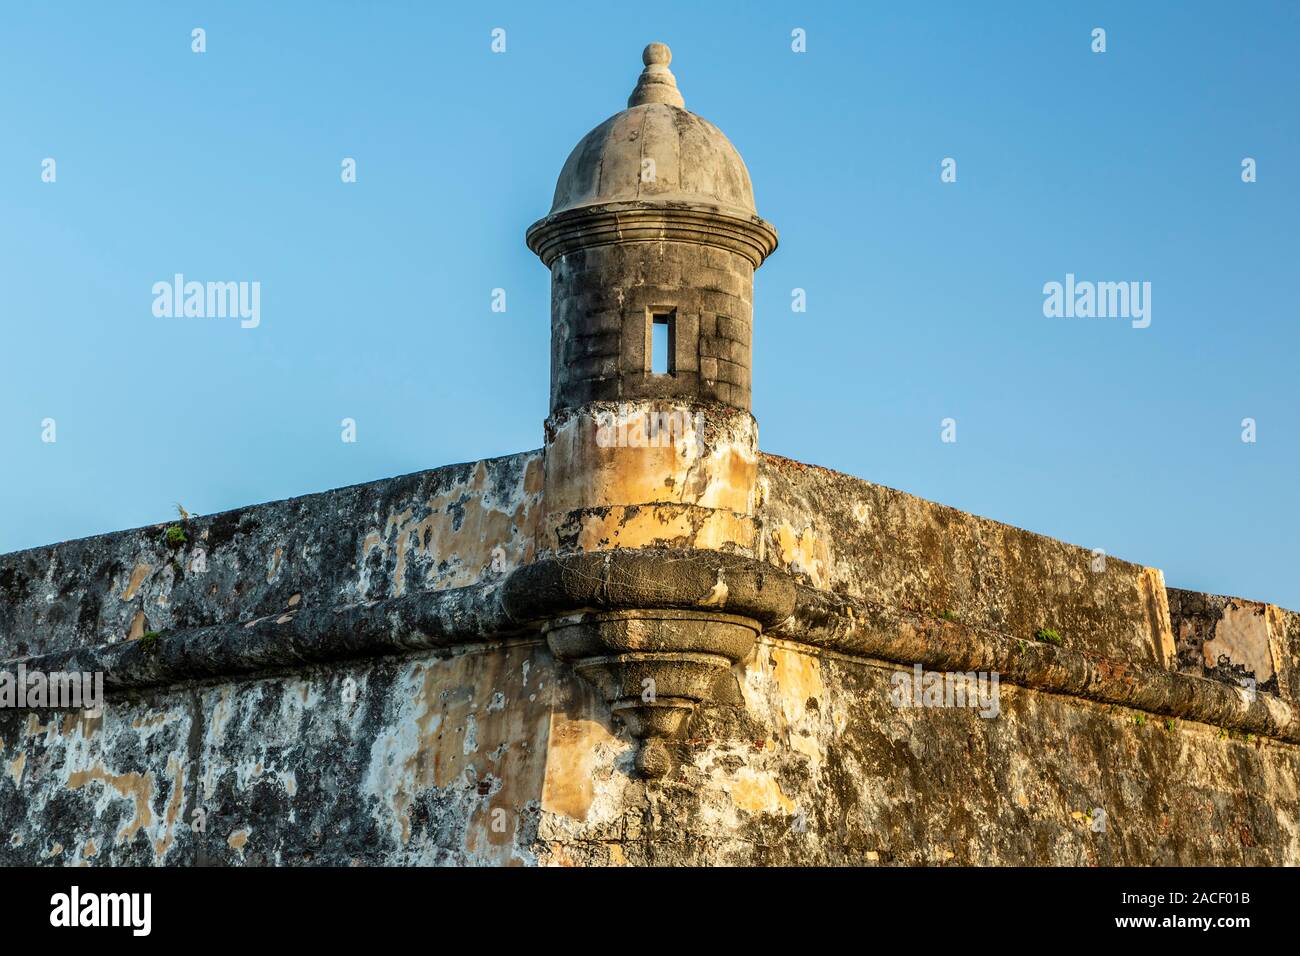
(653, 222)
(645, 573)
(652, 241)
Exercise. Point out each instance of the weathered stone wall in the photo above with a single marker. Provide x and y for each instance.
(398, 760)
(819, 767)
(849, 536)
(1236, 641)
(442, 528)
(464, 748)
(613, 482)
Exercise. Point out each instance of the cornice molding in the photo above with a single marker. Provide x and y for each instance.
(609, 223)
(617, 622)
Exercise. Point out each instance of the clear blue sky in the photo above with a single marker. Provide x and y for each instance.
(924, 299)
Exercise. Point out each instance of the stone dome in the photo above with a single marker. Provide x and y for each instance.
(655, 151)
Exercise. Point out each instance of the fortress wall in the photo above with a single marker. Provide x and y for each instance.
(805, 757)
(854, 538)
(809, 761)
(440, 528)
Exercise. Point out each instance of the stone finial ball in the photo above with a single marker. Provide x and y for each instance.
(653, 760)
(656, 53)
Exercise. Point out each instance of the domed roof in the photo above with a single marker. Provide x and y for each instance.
(655, 151)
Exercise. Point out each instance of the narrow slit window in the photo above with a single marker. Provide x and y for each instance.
(663, 345)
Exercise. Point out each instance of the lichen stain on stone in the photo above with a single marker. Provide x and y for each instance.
(535, 476)
(783, 688)
(643, 526)
(803, 552)
(273, 565)
(458, 535)
(803, 696)
(717, 471)
(798, 680)
(220, 716)
(163, 843)
(146, 723)
(82, 723)
(77, 756)
(133, 786)
(572, 755)
(1242, 638)
(137, 577)
(617, 488)
(1151, 582)
(448, 740)
(758, 792)
(1284, 662)
(34, 728)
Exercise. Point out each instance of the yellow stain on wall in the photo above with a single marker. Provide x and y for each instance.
(758, 792)
(803, 552)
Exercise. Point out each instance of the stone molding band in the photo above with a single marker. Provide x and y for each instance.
(864, 629)
(490, 612)
(425, 620)
(603, 224)
(650, 579)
